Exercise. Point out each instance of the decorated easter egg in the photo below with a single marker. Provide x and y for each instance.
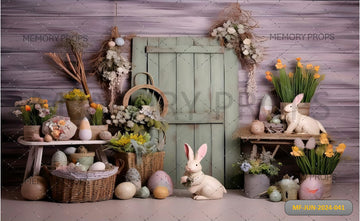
(119, 41)
(125, 190)
(105, 135)
(144, 192)
(311, 189)
(70, 150)
(161, 192)
(48, 138)
(85, 130)
(111, 44)
(98, 166)
(58, 159)
(257, 127)
(160, 178)
(34, 188)
(133, 175)
(275, 196)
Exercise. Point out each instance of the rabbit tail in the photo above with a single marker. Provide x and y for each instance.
(321, 127)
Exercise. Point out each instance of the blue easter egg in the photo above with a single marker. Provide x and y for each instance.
(119, 41)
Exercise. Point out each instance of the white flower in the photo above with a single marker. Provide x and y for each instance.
(130, 124)
(115, 121)
(241, 31)
(17, 112)
(108, 121)
(240, 26)
(231, 30)
(112, 117)
(105, 109)
(228, 45)
(220, 29)
(21, 103)
(122, 121)
(246, 52)
(247, 41)
(140, 117)
(254, 56)
(214, 33)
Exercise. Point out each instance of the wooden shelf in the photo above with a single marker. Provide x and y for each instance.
(59, 143)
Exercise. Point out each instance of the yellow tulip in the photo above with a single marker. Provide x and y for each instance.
(299, 64)
(291, 75)
(309, 66)
(46, 106)
(268, 73)
(99, 106)
(279, 66)
(329, 154)
(316, 68)
(316, 76)
(269, 78)
(340, 149)
(278, 61)
(93, 105)
(298, 59)
(27, 108)
(323, 138)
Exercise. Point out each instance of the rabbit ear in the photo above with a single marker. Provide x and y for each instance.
(298, 99)
(189, 152)
(200, 154)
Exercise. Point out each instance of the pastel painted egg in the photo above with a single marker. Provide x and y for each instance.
(275, 196)
(111, 44)
(144, 192)
(98, 166)
(48, 138)
(58, 159)
(119, 41)
(311, 189)
(160, 178)
(133, 175)
(85, 130)
(125, 190)
(70, 150)
(161, 192)
(34, 188)
(105, 135)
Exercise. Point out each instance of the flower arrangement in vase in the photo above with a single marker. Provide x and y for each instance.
(257, 169)
(318, 160)
(96, 112)
(76, 104)
(33, 112)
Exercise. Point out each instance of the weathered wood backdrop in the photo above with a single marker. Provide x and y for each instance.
(327, 36)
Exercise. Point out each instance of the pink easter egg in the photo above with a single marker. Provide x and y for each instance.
(160, 178)
(311, 189)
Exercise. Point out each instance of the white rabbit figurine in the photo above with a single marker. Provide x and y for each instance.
(300, 123)
(203, 187)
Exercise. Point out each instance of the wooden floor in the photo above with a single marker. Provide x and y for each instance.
(178, 207)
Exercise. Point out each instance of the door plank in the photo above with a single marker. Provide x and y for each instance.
(202, 104)
(153, 61)
(185, 104)
(232, 150)
(217, 106)
(195, 118)
(167, 71)
(139, 58)
(186, 49)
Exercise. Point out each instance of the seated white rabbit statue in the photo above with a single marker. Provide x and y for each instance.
(203, 187)
(298, 122)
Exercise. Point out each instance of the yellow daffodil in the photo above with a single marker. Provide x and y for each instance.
(299, 65)
(316, 76)
(296, 152)
(279, 66)
(329, 154)
(323, 138)
(291, 75)
(316, 68)
(298, 58)
(269, 78)
(340, 149)
(309, 66)
(278, 61)
(99, 106)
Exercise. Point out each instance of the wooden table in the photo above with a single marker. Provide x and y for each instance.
(36, 151)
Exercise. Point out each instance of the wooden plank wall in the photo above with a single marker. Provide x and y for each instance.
(30, 28)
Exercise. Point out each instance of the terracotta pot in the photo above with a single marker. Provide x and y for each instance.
(30, 130)
(303, 108)
(97, 129)
(326, 181)
(77, 110)
(256, 184)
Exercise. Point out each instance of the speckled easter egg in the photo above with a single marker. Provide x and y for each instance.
(161, 192)
(275, 196)
(144, 192)
(133, 175)
(119, 41)
(97, 166)
(160, 178)
(58, 159)
(125, 190)
(105, 135)
(34, 188)
(257, 127)
(311, 189)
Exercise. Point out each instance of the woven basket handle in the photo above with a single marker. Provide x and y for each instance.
(146, 73)
(121, 164)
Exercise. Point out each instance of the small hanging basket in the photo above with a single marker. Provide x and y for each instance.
(163, 99)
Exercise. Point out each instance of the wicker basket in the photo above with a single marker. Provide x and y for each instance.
(150, 164)
(90, 189)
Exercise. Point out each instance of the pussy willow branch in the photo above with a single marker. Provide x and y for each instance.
(77, 70)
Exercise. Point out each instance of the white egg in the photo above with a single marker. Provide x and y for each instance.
(125, 190)
(97, 166)
(70, 150)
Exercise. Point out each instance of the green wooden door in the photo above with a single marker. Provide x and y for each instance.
(200, 81)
